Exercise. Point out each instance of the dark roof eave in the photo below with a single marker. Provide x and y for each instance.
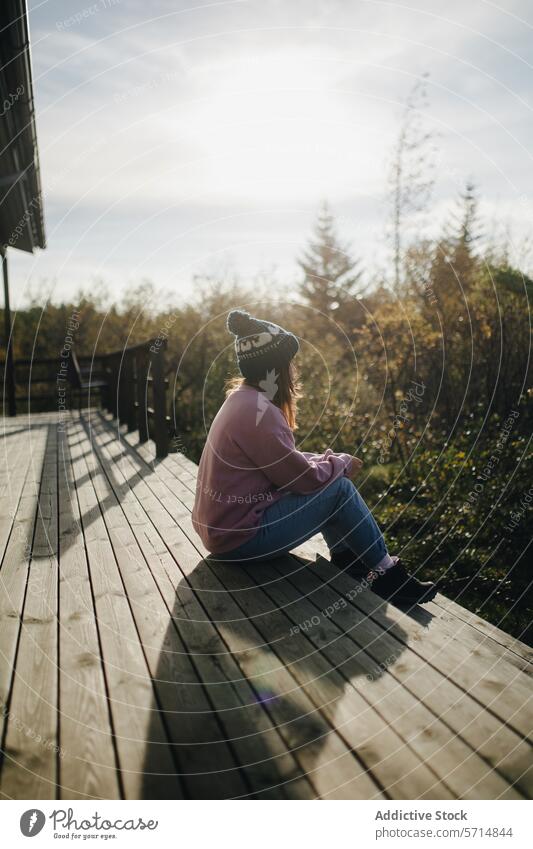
(21, 215)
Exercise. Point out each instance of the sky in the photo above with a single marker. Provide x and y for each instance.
(180, 139)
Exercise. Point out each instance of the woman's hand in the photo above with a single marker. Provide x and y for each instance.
(357, 465)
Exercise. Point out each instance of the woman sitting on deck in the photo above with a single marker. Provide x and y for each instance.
(258, 496)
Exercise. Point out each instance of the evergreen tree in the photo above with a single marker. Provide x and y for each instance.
(466, 226)
(331, 276)
(456, 255)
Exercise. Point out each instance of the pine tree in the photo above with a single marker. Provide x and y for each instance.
(458, 245)
(454, 278)
(331, 276)
(466, 225)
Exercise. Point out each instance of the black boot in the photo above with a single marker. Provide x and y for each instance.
(397, 585)
(348, 562)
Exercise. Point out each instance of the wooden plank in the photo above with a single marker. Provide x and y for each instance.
(474, 632)
(13, 475)
(247, 723)
(12, 444)
(204, 754)
(494, 658)
(300, 706)
(136, 722)
(496, 684)
(31, 744)
(382, 730)
(397, 767)
(14, 573)
(501, 747)
(510, 643)
(477, 639)
(322, 753)
(389, 672)
(504, 752)
(87, 764)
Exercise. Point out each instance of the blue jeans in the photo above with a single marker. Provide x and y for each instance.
(337, 511)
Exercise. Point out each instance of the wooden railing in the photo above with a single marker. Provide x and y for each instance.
(129, 383)
(43, 383)
(136, 391)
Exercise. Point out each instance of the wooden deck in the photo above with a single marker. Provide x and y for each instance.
(132, 667)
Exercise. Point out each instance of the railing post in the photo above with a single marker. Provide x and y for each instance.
(114, 366)
(9, 367)
(105, 391)
(108, 372)
(141, 383)
(127, 391)
(157, 359)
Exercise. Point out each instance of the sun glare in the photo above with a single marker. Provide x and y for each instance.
(279, 127)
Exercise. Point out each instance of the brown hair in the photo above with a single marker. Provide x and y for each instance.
(287, 390)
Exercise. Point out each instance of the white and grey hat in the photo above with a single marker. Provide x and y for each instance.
(260, 345)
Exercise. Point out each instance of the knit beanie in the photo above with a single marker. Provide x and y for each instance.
(260, 345)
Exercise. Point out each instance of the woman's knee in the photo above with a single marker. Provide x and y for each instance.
(345, 494)
(344, 486)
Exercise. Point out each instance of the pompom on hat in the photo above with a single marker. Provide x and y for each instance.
(260, 345)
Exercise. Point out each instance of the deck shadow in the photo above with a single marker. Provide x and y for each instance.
(250, 728)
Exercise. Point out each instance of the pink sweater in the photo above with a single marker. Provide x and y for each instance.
(250, 461)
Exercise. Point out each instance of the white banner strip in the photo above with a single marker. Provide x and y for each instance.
(255, 825)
